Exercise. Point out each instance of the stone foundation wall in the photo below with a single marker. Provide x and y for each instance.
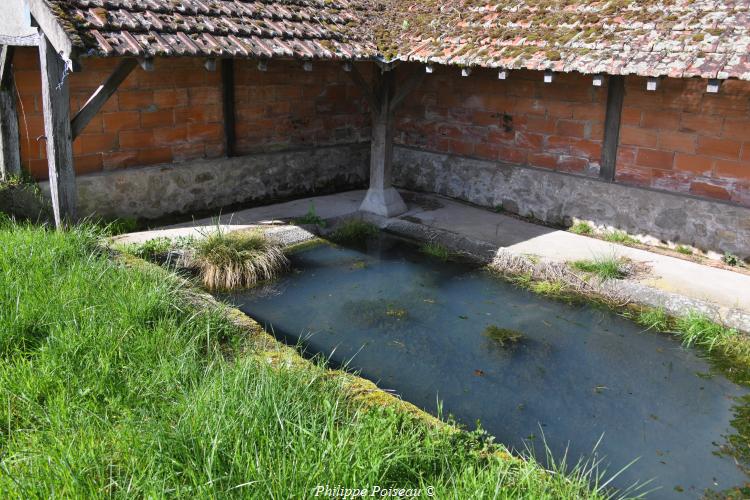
(559, 198)
(188, 187)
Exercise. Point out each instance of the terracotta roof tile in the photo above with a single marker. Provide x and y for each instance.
(678, 38)
(221, 28)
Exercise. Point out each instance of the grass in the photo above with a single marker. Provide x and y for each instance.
(606, 268)
(684, 249)
(238, 259)
(581, 228)
(620, 237)
(354, 232)
(731, 259)
(730, 349)
(113, 384)
(310, 218)
(149, 250)
(550, 288)
(435, 250)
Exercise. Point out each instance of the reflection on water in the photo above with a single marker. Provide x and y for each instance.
(576, 373)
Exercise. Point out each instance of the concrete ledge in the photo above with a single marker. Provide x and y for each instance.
(560, 198)
(189, 187)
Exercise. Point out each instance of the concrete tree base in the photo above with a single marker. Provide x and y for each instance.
(385, 202)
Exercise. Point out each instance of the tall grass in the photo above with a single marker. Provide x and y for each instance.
(111, 384)
(240, 259)
(606, 268)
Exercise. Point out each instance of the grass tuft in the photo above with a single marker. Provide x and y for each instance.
(354, 232)
(435, 250)
(550, 288)
(239, 259)
(731, 259)
(620, 237)
(149, 250)
(684, 249)
(310, 218)
(583, 228)
(696, 329)
(606, 268)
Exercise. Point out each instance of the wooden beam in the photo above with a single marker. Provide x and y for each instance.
(615, 98)
(406, 87)
(56, 107)
(228, 105)
(31, 40)
(365, 87)
(10, 151)
(100, 97)
(53, 31)
(6, 61)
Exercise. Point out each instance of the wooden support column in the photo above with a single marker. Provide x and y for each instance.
(100, 97)
(382, 198)
(58, 134)
(615, 98)
(228, 106)
(10, 151)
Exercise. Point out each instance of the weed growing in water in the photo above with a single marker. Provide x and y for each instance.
(239, 259)
(606, 268)
(354, 232)
(620, 237)
(311, 218)
(581, 228)
(696, 329)
(435, 250)
(397, 313)
(502, 336)
(653, 319)
(554, 288)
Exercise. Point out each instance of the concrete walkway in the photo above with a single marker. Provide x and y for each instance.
(726, 289)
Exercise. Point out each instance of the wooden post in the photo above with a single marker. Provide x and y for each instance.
(10, 152)
(615, 98)
(382, 198)
(228, 107)
(100, 97)
(59, 137)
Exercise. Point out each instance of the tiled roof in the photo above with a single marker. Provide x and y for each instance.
(222, 28)
(678, 38)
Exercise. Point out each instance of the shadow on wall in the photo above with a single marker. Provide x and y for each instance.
(559, 199)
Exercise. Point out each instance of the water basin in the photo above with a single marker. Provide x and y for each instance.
(571, 373)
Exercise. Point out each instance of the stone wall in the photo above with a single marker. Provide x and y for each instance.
(189, 187)
(559, 198)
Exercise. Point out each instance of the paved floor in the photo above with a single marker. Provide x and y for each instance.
(721, 287)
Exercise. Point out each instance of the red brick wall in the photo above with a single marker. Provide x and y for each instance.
(680, 138)
(174, 113)
(521, 120)
(287, 107)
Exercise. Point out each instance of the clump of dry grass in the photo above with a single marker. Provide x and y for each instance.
(240, 259)
(554, 279)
